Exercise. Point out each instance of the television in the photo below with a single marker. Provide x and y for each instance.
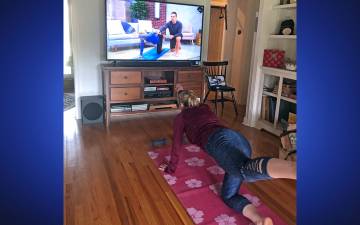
(153, 31)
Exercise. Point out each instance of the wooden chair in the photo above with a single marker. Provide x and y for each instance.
(215, 75)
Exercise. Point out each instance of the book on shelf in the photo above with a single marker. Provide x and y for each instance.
(265, 108)
(149, 89)
(163, 88)
(120, 108)
(272, 106)
(139, 107)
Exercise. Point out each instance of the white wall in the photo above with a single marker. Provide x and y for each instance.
(88, 33)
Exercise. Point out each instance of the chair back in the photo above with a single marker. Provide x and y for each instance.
(215, 73)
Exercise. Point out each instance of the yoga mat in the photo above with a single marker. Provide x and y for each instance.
(197, 184)
(152, 54)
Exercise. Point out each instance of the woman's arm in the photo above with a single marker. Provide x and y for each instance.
(177, 142)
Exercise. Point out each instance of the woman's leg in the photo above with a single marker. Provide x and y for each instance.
(232, 151)
(264, 168)
(230, 195)
(251, 213)
(230, 192)
(279, 168)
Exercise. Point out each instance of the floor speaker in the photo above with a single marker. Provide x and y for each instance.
(92, 109)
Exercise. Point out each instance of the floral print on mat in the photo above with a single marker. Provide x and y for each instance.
(195, 161)
(216, 188)
(224, 219)
(153, 155)
(170, 179)
(196, 215)
(193, 183)
(193, 148)
(216, 170)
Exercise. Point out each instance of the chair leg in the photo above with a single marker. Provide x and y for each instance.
(234, 102)
(222, 102)
(216, 93)
(207, 94)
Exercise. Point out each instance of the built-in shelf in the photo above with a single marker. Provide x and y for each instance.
(116, 114)
(279, 36)
(288, 99)
(269, 94)
(285, 6)
(156, 85)
(279, 72)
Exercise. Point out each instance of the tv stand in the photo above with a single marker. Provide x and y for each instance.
(135, 90)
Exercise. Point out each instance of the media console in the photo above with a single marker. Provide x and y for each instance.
(134, 90)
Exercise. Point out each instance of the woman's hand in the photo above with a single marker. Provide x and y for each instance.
(163, 166)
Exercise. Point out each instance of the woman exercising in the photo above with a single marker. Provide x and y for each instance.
(231, 151)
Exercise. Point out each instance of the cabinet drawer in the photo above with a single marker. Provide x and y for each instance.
(123, 94)
(188, 76)
(125, 77)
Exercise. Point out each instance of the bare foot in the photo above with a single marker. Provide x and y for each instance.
(265, 221)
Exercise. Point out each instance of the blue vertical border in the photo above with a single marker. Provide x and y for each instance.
(31, 146)
(328, 47)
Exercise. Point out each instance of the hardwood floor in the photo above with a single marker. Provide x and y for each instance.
(110, 180)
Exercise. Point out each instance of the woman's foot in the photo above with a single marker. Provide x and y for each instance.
(265, 221)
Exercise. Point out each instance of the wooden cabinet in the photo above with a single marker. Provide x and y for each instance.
(130, 88)
(124, 94)
(125, 77)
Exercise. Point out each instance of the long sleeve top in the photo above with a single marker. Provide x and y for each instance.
(174, 28)
(198, 123)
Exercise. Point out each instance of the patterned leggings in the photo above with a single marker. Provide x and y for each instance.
(232, 152)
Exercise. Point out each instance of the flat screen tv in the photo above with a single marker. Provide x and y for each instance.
(152, 31)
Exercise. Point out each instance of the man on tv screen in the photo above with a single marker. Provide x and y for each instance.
(175, 30)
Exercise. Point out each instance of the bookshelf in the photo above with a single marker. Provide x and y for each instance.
(272, 91)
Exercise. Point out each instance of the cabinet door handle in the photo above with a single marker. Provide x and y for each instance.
(125, 77)
(125, 93)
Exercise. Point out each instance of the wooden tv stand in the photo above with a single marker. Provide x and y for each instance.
(128, 89)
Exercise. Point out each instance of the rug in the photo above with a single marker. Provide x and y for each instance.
(69, 101)
(153, 55)
(197, 184)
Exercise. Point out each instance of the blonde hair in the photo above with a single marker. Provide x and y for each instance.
(188, 98)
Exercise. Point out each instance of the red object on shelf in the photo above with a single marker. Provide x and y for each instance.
(274, 58)
(158, 81)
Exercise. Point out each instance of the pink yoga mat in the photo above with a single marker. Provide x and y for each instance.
(197, 182)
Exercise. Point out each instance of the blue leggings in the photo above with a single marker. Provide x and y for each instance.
(232, 152)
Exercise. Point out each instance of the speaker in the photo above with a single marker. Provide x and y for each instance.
(92, 109)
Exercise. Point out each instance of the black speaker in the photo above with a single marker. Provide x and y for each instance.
(92, 109)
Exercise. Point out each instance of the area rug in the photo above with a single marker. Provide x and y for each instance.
(197, 184)
(69, 101)
(153, 55)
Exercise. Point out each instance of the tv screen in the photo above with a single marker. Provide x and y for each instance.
(140, 30)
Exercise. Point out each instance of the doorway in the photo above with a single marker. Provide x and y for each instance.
(69, 87)
(216, 33)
